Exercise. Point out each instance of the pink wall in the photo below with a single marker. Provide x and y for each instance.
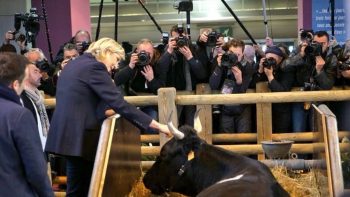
(304, 14)
(64, 17)
(80, 15)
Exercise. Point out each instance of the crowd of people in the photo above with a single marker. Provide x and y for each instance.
(89, 80)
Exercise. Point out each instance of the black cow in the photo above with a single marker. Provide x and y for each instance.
(212, 172)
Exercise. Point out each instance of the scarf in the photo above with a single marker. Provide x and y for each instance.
(38, 100)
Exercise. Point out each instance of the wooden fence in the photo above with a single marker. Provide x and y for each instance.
(168, 98)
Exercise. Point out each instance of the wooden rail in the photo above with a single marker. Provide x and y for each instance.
(251, 137)
(168, 98)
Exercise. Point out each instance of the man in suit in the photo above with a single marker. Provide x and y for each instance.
(23, 170)
(75, 127)
(34, 101)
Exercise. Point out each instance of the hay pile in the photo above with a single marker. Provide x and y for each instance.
(302, 184)
(139, 190)
(297, 183)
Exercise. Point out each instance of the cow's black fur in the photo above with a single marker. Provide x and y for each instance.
(209, 166)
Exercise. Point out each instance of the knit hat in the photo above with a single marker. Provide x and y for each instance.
(275, 50)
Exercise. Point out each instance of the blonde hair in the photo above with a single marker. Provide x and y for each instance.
(105, 46)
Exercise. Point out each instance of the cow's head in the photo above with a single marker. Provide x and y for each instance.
(168, 172)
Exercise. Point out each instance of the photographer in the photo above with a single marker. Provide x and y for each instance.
(20, 41)
(184, 69)
(81, 40)
(232, 75)
(315, 67)
(37, 57)
(70, 52)
(271, 69)
(341, 109)
(141, 76)
(209, 44)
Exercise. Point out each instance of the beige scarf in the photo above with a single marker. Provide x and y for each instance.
(38, 100)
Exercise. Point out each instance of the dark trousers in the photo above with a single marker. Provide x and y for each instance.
(79, 173)
(241, 123)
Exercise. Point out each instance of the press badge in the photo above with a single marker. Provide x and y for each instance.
(227, 88)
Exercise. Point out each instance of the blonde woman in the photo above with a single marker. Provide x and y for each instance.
(75, 128)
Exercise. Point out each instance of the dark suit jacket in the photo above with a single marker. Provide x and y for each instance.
(75, 127)
(28, 104)
(23, 169)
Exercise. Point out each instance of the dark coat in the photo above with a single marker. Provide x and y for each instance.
(282, 82)
(135, 82)
(175, 65)
(23, 169)
(220, 74)
(305, 69)
(75, 128)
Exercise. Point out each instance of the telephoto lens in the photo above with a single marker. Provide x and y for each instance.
(229, 60)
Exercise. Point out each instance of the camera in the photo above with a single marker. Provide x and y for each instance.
(269, 62)
(143, 58)
(165, 38)
(343, 66)
(85, 45)
(306, 35)
(43, 65)
(212, 38)
(181, 41)
(183, 5)
(313, 49)
(30, 21)
(229, 59)
(310, 86)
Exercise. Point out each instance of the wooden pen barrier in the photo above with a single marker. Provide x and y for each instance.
(117, 162)
(168, 98)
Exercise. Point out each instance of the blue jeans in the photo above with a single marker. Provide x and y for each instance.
(79, 173)
(152, 112)
(300, 117)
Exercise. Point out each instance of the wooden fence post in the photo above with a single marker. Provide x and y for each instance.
(205, 115)
(166, 105)
(263, 118)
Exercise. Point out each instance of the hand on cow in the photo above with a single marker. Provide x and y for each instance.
(161, 128)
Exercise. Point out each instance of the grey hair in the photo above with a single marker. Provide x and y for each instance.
(36, 50)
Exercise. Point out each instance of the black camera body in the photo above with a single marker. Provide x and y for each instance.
(344, 65)
(310, 86)
(43, 65)
(183, 5)
(181, 41)
(229, 60)
(212, 38)
(269, 62)
(30, 21)
(85, 45)
(313, 49)
(143, 58)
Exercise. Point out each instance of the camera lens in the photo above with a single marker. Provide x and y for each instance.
(143, 58)
(181, 41)
(229, 59)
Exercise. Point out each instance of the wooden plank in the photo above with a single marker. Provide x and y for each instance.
(101, 159)
(117, 161)
(205, 114)
(334, 160)
(166, 105)
(263, 118)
